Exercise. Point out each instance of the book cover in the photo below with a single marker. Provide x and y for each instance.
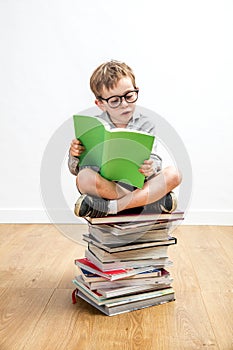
(126, 282)
(127, 264)
(90, 277)
(114, 292)
(89, 266)
(139, 226)
(118, 152)
(101, 300)
(111, 274)
(124, 238)
(129, 246)
(140, 301)
(128, 307)
(122, 217)
(134, 254)
(127, 228)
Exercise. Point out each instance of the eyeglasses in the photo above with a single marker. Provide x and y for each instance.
(115, 101)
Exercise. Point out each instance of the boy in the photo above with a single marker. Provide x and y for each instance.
(113, 84)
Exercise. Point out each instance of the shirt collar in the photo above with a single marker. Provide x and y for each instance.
(132, 121)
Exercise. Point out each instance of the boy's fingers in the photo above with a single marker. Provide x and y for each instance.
(148, 161)
(75, 142)
(76, 148)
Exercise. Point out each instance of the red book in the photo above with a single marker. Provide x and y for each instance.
(111, 275)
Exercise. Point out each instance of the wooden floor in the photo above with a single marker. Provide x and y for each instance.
(36, 312)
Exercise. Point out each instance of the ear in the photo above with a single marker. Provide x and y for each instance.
(100, 104)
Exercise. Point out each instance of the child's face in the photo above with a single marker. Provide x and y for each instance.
(121, 115)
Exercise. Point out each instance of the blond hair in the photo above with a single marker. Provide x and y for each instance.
(108, 74)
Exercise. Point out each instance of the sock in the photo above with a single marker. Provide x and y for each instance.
(112, 207)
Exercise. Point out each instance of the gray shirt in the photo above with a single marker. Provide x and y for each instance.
(138, 122)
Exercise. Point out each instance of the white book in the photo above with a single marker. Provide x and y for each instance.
(158, 263)
(134, 254)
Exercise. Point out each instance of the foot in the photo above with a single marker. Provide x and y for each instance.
(167, 204)
(91, 206)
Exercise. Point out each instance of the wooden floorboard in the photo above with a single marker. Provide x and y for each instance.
(36, 312)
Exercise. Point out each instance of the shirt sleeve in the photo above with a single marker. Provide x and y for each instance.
(154, 156)
(157, 162)
(73, 164)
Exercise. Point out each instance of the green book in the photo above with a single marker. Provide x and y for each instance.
(118, 152)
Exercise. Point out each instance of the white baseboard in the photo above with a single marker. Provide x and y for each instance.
(193, 217)
(208, 217)
(38, 216)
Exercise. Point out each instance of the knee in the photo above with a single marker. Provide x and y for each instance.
(84, 179)
(173, 175)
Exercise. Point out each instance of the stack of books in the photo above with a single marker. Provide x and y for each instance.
(126, 261)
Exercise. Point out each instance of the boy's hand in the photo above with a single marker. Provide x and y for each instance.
(76, 148)
(147, 168)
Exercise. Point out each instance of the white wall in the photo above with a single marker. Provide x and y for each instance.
(182, 54)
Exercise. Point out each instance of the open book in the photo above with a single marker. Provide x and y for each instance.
(118, 152)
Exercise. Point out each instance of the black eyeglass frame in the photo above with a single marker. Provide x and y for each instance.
(120, 97)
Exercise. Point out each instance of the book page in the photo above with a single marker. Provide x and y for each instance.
(123, 154)
(90, 131)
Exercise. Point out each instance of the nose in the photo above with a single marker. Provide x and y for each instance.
(124, 102)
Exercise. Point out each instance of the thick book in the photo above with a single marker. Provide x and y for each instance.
(114, 292)
(111, 274)
(134, 227)
(127, 264)
(129, 246)
(128, 282)
(101, 300)
(164, 296)
(109, 239)
(118, 152)
(90, 277)
(143, 217)
(140, 226)
(134, 254)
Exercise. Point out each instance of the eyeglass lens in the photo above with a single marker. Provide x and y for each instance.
(130, 97)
